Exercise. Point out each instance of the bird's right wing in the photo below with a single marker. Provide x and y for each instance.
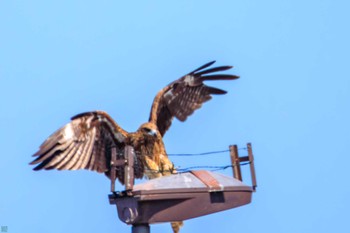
(183, 96)
(84, 143)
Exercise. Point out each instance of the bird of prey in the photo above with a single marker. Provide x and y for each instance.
(86, 141)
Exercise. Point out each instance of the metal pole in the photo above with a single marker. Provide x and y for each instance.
(129, 155)
(142, 228)
(113, 174)
(251, 164)
(236, 168)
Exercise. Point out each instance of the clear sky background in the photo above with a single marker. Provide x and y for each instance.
(60, 58)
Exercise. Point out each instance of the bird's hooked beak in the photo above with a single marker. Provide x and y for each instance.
(152, 132)
(149, 129)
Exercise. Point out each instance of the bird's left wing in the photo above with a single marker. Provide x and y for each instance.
(84, 143)
(182, 97)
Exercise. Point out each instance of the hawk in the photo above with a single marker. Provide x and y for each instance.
(86, 141)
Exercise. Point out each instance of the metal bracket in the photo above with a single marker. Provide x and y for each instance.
(236, 163)
(208, 180)
(127, 163)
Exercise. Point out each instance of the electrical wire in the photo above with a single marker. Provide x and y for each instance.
(206, 153)
(211, 168)
(187, 169)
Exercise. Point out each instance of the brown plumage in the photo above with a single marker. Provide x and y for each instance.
(86, 142)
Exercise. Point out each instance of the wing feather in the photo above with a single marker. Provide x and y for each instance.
(74, 158)
(203, 67)
(50, 153)
(65, 160)
(49, 143)
(84, 143)
(59, 157)
(182, 97)
(212, 70)
(88, 148)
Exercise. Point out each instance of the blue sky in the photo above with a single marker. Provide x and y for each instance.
(60, 58)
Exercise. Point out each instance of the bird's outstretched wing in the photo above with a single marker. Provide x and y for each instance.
(84, 143)
(182, 97)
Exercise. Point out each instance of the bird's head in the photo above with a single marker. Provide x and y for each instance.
(149, 129)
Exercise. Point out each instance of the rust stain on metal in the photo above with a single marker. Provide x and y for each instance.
(208, 180)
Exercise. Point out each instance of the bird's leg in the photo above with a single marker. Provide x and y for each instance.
(152, 169)
(176, 226)
(167, 166)
(172, 169)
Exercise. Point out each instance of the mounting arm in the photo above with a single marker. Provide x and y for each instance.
(127, 163)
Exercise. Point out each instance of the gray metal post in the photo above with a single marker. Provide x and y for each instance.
(142, 228)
